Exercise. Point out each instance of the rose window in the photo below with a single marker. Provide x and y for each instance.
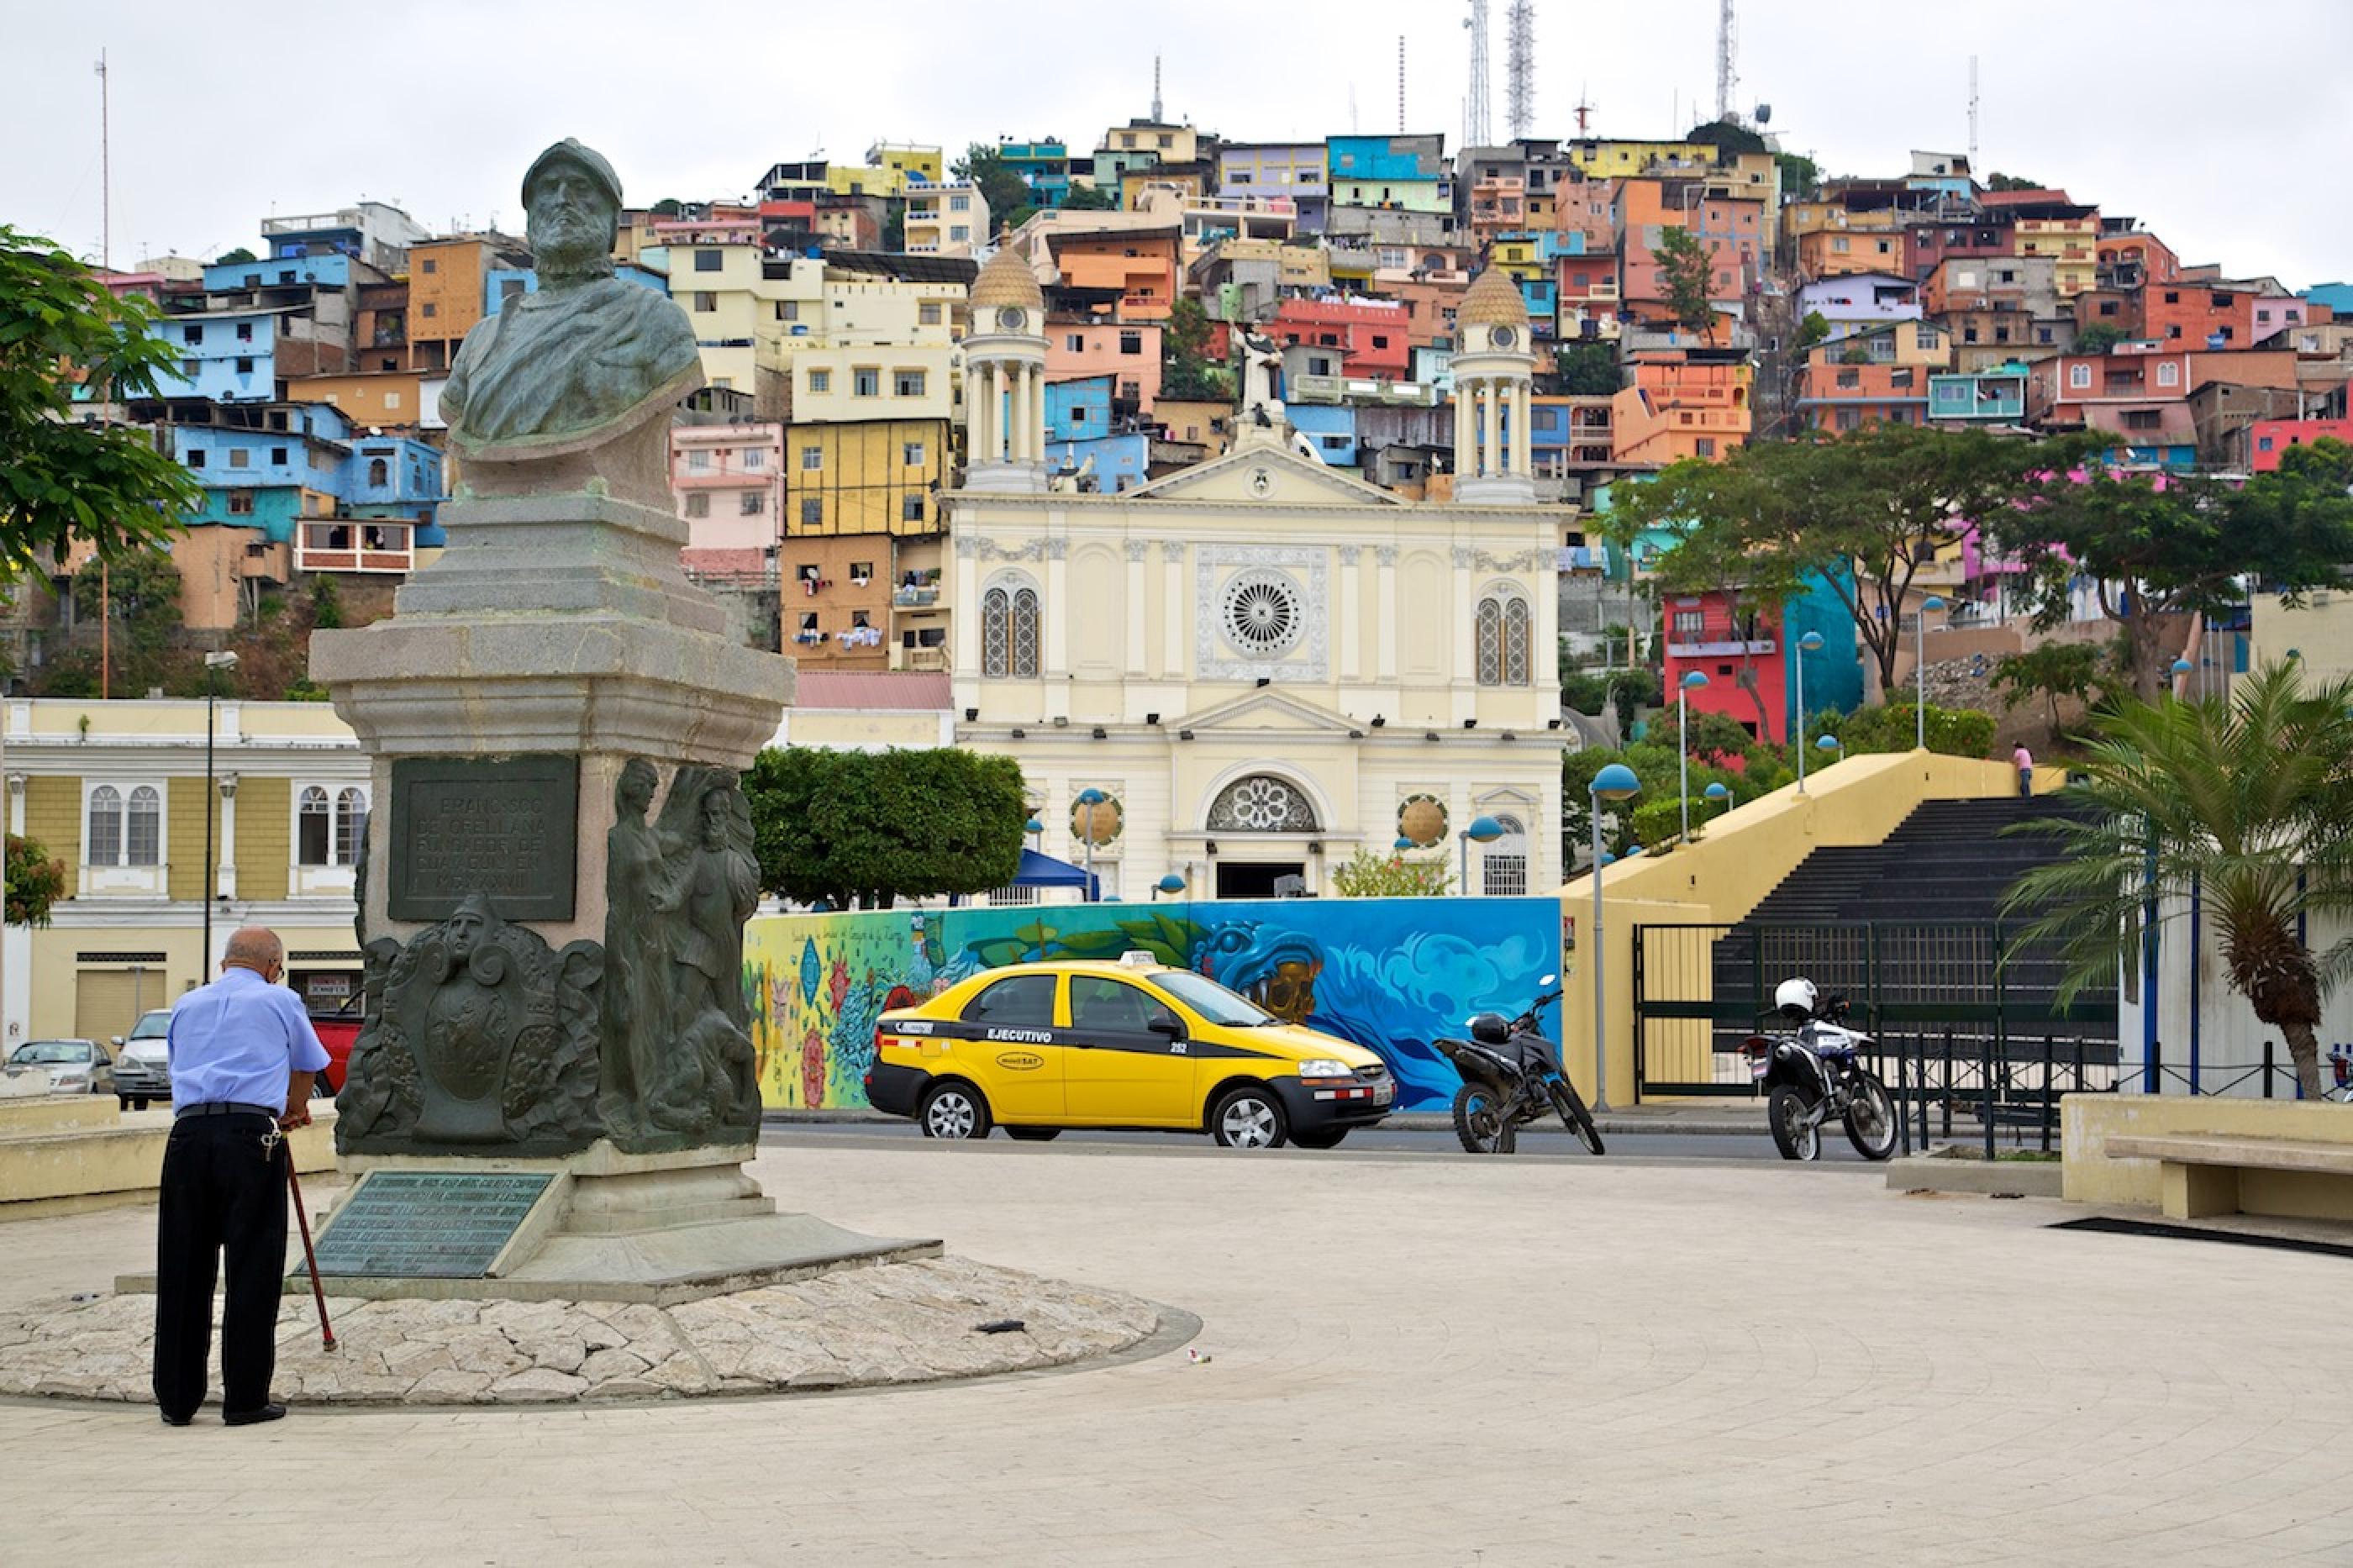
(1262, 805)
(1263, 614)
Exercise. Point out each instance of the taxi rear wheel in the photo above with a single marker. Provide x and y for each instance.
(953, 1110)
(1249, 1117)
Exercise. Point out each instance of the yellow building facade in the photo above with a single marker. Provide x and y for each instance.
(116, 793)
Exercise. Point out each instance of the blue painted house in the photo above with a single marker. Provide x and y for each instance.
(1079, 409)
(1330, 427)
(297, 473)
(1120, 462)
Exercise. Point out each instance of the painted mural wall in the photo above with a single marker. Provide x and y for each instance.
(1388, 974)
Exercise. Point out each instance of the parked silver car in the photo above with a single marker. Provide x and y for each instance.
(75, 1066)
(143, 1062)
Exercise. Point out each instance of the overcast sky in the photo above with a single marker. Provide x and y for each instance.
(2223, 128)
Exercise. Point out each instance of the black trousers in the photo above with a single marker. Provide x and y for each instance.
(219, 1193)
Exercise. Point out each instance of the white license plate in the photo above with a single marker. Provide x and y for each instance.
(1383, 1093)
(1756, 1066)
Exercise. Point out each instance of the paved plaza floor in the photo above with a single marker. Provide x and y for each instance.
(1412, 1359)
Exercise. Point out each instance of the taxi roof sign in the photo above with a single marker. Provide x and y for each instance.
(1139, 958)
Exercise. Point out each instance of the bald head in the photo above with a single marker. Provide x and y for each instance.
(256, 948)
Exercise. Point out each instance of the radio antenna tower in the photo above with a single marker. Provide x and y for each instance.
(1726, 79)
(1520, 70)
(1478, 124)
(1973, 116)
(1155, 89)
(1400, 84)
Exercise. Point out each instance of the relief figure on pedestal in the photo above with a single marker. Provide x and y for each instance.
(478, 1036)
(680, 1064)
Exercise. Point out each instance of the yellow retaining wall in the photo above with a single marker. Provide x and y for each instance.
(2087, 1123)
(1747, 853)
(106, 1166)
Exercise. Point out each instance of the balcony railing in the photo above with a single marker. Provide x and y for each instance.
(1726, 649)
(356, 546)
(915, 598)
(1328, 389)
(903, 657)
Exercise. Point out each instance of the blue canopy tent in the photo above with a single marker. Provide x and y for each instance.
(1044, 871)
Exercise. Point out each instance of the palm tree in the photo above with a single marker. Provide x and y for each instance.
(2245, 803)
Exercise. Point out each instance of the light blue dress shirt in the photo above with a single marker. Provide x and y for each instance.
(238, 1039)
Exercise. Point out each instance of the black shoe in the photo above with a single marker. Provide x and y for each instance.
(252, 1417)
(171, 1420)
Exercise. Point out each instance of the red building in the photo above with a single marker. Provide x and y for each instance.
(2269, 439)
(2191, 315)
(1740, 654)
(1930, 244)
(1375, 337)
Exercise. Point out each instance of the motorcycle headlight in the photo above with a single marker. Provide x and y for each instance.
(1325, 1067)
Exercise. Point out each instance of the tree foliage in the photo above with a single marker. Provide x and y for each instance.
(999, 183)
(1686, 278)
(1589, 690)
(1896, 726)
(2051, 670)
(1801, 177)
(1371, 875)
(1864, 513)
(61, 481)
(2097, 339)
(1587, 369)
(228, 257)
(141, 595)
(1814, 328)
(2244, 805)
(2153, 546)
(1091, 198)
(34, 882)
(860, 827)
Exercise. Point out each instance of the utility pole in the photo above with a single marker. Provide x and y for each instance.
(1400, 84)
(1725, 77)
(1478, 122)
(106, 394)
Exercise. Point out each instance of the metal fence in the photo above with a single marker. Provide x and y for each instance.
(1947, 994)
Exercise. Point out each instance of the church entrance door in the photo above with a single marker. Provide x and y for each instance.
(1255, 878)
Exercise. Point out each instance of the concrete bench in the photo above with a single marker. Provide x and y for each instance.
(2215, 1172)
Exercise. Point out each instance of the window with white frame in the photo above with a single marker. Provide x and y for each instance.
(328, 822)
(2168, 372)
(2079, 375)
(1503, 868)
(124, 825)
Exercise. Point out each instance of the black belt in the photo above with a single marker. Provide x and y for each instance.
(223, 1108)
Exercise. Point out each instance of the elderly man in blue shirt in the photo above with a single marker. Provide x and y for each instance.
(243, 1058)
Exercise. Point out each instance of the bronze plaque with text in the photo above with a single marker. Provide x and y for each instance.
(504, 828)
(436, 1225)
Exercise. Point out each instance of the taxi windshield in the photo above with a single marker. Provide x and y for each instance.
(51, 1052)
(1213, 1002)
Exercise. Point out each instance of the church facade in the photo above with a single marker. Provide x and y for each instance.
(1262, 665)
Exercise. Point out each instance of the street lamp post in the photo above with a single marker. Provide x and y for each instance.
(213, 662)
(1683, 740)
(1831, 744)
(1721, 797)
(1172, 884)
(1092, 798)
(1811, 643)
(2181, 667)
(1920, 657)
(1615, 783)
(1485, 830)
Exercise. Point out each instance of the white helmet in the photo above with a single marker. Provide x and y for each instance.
(1795, 997)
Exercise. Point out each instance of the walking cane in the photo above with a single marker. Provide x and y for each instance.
(303, 1218)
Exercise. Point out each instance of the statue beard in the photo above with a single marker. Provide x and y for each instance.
(571, 256)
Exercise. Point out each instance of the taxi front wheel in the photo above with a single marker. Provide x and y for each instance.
(953, 1110)
(1249, 1117)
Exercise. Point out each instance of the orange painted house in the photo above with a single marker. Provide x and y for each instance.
(1682, 404)
(2188, 315)
(1835, 397)
(1141, 267)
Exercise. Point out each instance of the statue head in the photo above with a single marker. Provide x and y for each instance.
(473, 922)
(716, 809)
(633, 793)
(572, 200)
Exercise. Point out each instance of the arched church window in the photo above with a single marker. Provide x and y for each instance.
(1261, 803)
(1008, 631)
(1506, 635)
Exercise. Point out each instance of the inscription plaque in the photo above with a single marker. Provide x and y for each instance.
(433, 1225)
(504, 827)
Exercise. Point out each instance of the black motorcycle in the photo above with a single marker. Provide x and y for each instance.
(1815, 1072)
(1511, 1076)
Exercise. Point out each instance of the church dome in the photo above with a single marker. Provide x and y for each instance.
(1492, 300)
(1007, 280)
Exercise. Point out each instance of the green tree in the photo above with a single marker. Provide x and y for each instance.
(2001, 182)
(142, 598)
(1000, 185)
(1801, 177)
(2245, 805)
(668, 206)
(1686, 277)
(1091, 199)
(2097, 339)
(1590, 690)
(1185, 370)
(1726, 136)
(2051, 670)
(894, 228)
(1587, 369)
(1895, 724)
(2158, 546)
(1371, 875)
(1814, 328)
(62, 480)
(34, 882)
(240, 254)
(854, 827)
(1863, 512)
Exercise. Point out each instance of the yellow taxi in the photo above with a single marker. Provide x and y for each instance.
(1035, 1048)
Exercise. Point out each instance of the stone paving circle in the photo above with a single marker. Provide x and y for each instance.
(893, 1324)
